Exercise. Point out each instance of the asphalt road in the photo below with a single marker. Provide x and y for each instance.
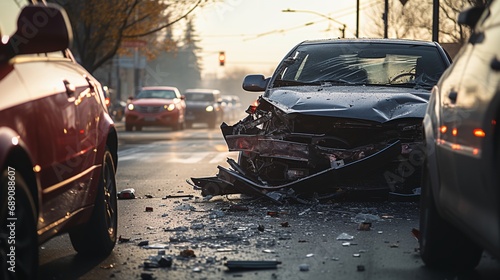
(200, 236)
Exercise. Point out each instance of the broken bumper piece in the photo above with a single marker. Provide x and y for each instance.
(234, 181)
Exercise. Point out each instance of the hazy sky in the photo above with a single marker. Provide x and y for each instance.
(256, 34)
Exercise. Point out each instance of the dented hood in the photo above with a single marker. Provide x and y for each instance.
(379, 104)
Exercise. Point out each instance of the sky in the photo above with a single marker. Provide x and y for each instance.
(256, 34)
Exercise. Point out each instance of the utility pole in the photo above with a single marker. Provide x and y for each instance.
(357, 19)
(386, 19)
(435, 20)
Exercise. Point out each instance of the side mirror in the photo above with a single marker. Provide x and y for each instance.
(470, 17)
(41, 28)
(255, 83)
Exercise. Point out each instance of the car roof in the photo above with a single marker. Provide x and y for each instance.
(203, 90)
(369, 40)
(159, 87)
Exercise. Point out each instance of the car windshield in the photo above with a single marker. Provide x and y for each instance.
(195, 96)
(362, 63)
(165, 94)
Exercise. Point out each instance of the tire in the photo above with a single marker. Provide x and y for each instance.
(25, 231)
(442, 246)
(97, 237)
(128, 127)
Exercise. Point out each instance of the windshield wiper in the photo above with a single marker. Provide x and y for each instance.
(295, 83)
(335, 82)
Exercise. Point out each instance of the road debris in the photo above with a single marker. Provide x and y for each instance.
(187, 253)
(126, 194)
(149, 209)
(364, 226)
(304, 267)
(345, 236)
(251, 265)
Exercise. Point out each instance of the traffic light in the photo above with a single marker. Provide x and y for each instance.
(222, 58)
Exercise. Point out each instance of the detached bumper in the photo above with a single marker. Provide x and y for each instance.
(233, 181)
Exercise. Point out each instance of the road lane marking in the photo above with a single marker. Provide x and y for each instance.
(179, 157)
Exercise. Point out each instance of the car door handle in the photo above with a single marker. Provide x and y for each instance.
(453, 96)
(495, 64)
(70, 88)
(90, 82)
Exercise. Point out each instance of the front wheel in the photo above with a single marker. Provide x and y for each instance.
(98, 235)
(443, 246)
(18, 230)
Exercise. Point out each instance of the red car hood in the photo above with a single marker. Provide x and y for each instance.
(152, 101)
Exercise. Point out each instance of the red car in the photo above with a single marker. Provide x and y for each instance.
(156, 106)
(58, 145)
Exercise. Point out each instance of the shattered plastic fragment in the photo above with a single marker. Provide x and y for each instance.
(304, 267)
(346, 244)
(309, 255)
(268, 251)
(345, 236)
(356, 255)
(249, 265)
(123, 239)
(156, 246)
(165, 261)
(361, 268)
(368, 218)
(187, 253)
(364, 226)
(143, 243)
(126, 194)
(149, 209)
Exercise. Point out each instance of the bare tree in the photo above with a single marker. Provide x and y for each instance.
(100, 27)
(413, 20)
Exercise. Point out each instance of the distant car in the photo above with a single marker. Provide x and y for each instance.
(58, 145)
(461, 192)
(203, 106)
(116, 107)
(231, 107)
(335, 113)
(156, 106)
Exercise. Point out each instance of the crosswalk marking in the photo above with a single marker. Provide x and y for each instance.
(178, 157)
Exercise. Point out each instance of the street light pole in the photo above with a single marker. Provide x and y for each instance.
(357, 18)
(342, 29)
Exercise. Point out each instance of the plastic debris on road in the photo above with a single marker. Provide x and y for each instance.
(126, 194)
(344, 236)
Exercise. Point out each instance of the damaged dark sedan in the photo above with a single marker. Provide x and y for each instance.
(336, 115)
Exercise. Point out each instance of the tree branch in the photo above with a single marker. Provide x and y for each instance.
(166, 25)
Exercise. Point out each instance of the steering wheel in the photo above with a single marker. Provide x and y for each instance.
(409, 74)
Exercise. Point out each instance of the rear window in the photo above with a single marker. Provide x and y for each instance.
(196, 96)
